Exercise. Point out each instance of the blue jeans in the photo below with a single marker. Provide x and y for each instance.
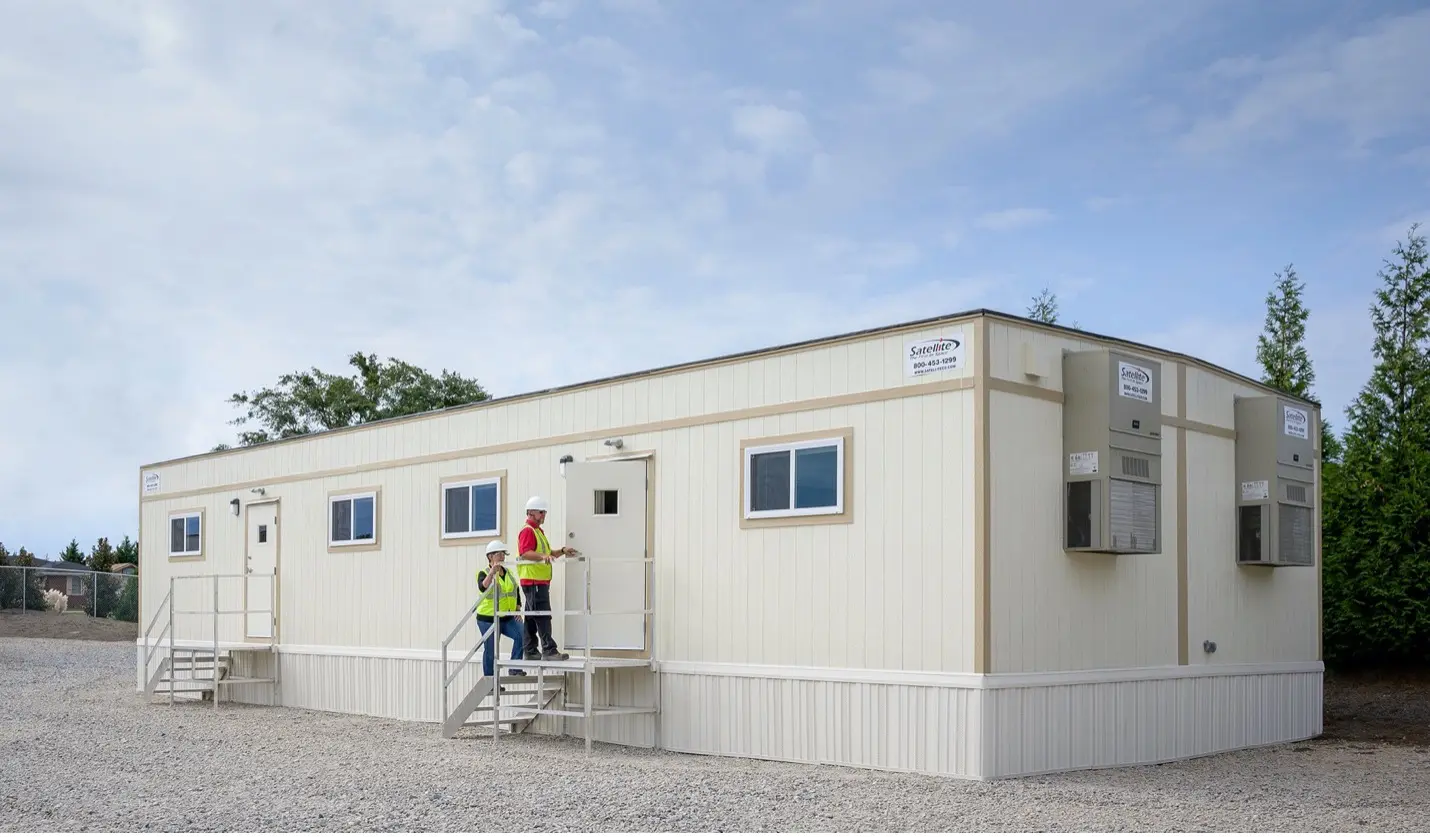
(511, 629)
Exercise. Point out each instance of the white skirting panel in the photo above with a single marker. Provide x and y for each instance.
(1141, 718)
(983, 727)
(615, 687)
(917, 728)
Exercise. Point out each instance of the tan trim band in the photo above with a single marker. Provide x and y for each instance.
(982, 513)
(1182, 567)
(766, 411)
(1056, 397)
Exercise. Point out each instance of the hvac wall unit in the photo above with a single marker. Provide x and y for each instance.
(1112, 453)
(1276, 478)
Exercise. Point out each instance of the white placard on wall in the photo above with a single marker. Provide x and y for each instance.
(934, 354)
(1297, 423)
(1134, 381)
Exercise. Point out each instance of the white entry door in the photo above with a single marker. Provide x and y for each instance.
(261, 563)
(606, 522)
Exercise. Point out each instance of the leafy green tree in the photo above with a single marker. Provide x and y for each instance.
(126, 609)
(1377, 531)
(72, 553)
(311, 401)
(1281, 350)
(1044, 308)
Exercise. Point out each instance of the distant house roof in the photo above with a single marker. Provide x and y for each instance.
(59, 567)
(123, 568)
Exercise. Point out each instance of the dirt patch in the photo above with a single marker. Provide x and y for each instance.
(51, 625)
(1388, 708)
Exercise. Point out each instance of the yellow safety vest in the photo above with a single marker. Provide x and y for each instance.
(506, 592)
(536, 572)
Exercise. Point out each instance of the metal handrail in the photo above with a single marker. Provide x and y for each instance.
(150, 649)
(493, 632)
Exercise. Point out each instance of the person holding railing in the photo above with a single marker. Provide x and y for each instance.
(535, 555)
(505, 601)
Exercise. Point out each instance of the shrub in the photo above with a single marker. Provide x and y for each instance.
(56, 601)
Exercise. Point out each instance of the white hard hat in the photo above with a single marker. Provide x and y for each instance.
(536, 504)
(496, 546)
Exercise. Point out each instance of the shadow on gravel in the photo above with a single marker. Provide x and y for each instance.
(1378, 707)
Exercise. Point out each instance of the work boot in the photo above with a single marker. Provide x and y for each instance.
(556, 655)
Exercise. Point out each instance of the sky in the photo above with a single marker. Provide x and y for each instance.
(198, 197)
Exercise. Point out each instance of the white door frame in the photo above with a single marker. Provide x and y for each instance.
(650, 502)
(277, 562)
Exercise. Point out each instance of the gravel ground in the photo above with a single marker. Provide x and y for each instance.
(83, 751)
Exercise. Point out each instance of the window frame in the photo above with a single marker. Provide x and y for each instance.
(839, 440)
(470, 481)
(352, 495)
(185, 514)
(71, 582)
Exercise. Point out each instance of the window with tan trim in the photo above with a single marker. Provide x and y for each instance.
(471, 508)
(795, 479)
(186, 534)
(352, 519)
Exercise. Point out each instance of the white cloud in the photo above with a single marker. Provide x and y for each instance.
(771, 129)
(1013, 219)
(1366, 87)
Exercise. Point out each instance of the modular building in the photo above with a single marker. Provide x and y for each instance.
(975, 545)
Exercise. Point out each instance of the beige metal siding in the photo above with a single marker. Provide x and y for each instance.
(1059, 611)
(1006, 361)
(843, 369)
(928, 729)
(1053, 611)
(1254, 614)
(794, 595)
(1042, 729)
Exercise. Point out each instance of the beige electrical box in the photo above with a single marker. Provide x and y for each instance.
(1112, 453)
(1275, 482)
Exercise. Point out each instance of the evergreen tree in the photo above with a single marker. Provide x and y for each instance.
(72, 553)
(1281, 350)
(1377, 531)
(1044, 308)
(127, 552)
(101, 558)
(32, 592)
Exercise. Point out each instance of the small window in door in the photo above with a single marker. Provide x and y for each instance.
(262, 533)
(606, 502)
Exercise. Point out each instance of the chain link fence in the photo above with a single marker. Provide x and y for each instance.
(101, 595)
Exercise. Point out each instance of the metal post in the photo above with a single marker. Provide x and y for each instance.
(173, 635)
(586, 689)
(215, 639)
(94, 595)
(444, 681)
(24, 589)
(493, 588)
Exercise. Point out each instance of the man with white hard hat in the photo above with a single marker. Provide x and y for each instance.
(532, 545)
(505, 601)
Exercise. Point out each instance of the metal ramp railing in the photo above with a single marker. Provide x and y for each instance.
(520, 716)
(193, 659)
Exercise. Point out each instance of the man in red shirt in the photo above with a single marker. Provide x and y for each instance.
(531, 545)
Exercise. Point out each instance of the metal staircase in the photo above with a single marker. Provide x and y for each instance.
(202, 668)
(510, 703)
